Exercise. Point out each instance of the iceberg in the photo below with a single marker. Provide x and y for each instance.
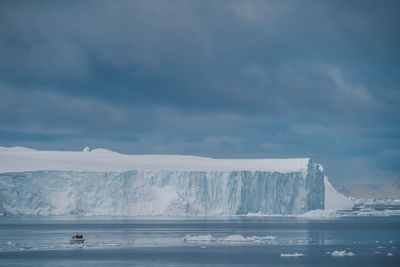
(102, 182)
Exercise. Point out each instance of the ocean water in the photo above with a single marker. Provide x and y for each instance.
(192, 241)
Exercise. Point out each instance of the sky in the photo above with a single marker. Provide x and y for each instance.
(224, 79)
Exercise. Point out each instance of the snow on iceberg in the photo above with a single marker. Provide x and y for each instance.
(19, 159)
(102, 182)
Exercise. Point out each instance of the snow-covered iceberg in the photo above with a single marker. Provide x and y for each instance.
(102, 182)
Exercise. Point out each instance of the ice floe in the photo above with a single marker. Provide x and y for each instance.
(284, 255)
(342, 253)
(231, 239)
(199, 238)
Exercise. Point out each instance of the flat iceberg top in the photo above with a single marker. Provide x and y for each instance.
(19, 159)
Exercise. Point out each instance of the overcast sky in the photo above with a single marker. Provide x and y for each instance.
(235, 79)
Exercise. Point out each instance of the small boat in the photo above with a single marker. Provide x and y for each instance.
(77, 239)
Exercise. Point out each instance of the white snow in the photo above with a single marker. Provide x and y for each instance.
(283, 255)
(342, 253)
(19, 159)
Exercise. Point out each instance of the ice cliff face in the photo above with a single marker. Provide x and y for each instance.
(101, 182)
(146, 192)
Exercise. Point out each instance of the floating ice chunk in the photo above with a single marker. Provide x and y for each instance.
(199, 238)
(389, 254)
(251, 239)
(9, 243)
(318, 214)
(342, 253)
(379, 247)
(86, 149)
(283, 255)
(270, 237)
(231, 239)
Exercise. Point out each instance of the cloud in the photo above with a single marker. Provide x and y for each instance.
(213, 78)
(355, 92)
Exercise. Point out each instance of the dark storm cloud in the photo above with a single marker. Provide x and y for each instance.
(215, 78)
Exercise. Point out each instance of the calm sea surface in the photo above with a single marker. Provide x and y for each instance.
(225, 241)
